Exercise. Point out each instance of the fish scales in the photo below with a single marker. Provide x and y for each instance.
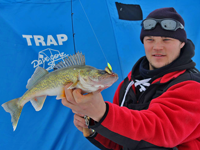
(52, 80)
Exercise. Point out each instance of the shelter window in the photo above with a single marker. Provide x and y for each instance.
(129, 11)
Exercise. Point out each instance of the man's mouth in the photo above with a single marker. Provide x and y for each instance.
(158, 55)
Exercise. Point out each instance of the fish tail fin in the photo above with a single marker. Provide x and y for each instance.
(14, 109)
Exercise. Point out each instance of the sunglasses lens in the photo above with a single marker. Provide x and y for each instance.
(168, 24)
(149, 24)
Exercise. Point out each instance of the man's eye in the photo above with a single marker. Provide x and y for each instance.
(166, 39)
(149, 39)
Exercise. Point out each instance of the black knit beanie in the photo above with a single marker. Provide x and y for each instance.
(162, 13)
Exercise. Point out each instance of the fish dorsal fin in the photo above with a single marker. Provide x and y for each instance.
(72, 60)
(39, 73)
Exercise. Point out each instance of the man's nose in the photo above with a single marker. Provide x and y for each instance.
(158, 45)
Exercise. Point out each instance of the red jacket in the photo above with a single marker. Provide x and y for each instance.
(171, 120)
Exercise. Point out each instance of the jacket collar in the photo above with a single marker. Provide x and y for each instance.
(168, 77)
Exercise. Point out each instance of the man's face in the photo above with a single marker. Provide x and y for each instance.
(161, 51)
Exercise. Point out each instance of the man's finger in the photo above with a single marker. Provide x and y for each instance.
(79, 98)
(79, 121)
(98, 91)
(68, 93)
(66, 103)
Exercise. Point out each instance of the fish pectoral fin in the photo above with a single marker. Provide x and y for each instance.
(74, 85)
(38, 102)
(62, 95)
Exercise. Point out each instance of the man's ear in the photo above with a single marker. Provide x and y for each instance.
(182, 44)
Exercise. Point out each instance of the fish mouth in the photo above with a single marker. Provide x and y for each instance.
(105, 81)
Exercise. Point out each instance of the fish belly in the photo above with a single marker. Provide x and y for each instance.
(57, 91)
(53, 91)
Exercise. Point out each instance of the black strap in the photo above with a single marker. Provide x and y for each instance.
(188, 75)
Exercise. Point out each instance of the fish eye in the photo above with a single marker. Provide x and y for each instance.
(102, 72)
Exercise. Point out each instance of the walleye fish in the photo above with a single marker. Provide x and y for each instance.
(44, 83)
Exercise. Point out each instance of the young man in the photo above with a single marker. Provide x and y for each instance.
(157, 107)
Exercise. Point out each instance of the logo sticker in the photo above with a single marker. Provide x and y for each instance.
(47, 58)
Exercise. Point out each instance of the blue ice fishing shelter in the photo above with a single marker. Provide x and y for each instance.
(41, 32)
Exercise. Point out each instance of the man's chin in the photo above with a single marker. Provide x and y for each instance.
(152, 67)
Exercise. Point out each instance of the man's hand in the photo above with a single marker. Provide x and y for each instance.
(91, 105)
(79, 122)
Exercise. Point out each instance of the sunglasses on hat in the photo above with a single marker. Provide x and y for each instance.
(167, 24)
